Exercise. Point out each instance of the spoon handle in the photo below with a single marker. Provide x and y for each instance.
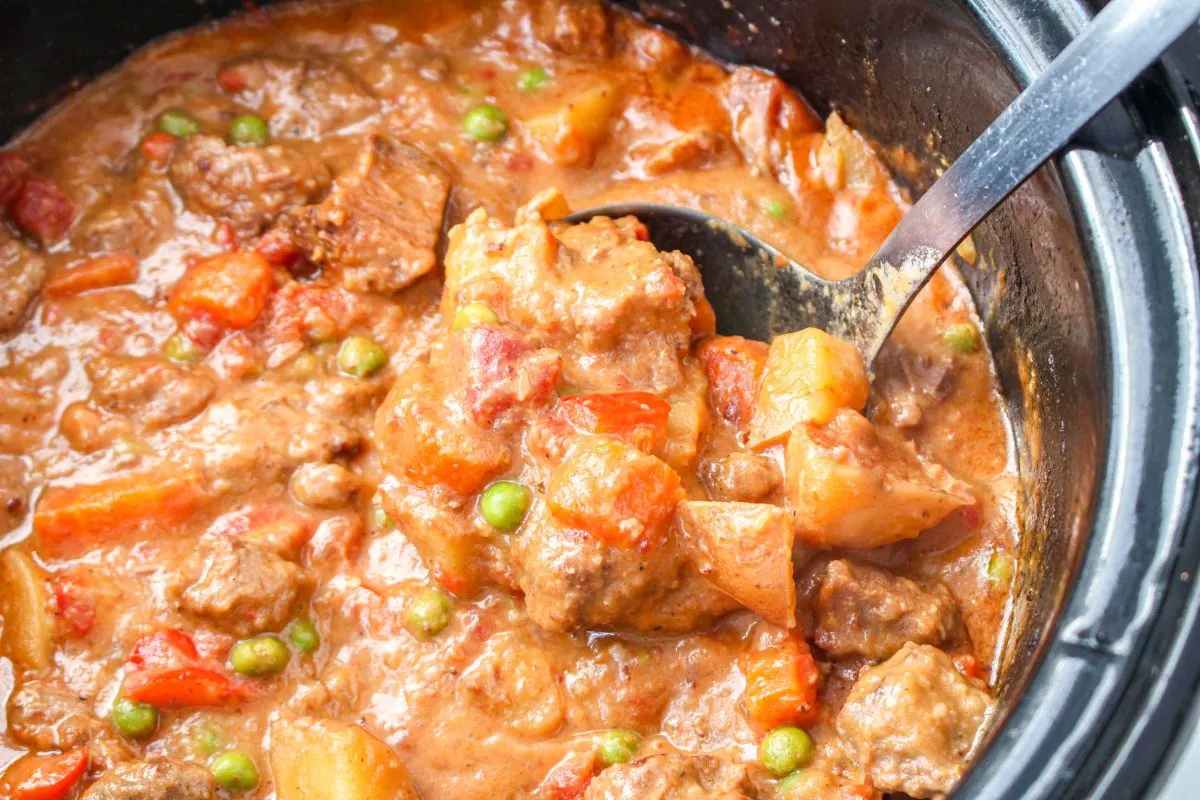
(1123, 40)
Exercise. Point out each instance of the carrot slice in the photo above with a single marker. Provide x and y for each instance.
(35, 777)
(182, 687)
(232, 288)
(639, 418)
(117, 269)
(781, 685)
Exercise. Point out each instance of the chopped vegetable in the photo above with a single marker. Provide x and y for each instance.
(178, 347)
(781, 685)
(248, 129)
(234, 771)
(473, 314)
(104, 272)
(486, 123)
(1001, 568)
(618, 746)
(37, 777)
(73, 603)
(734, 368)
(504, 504)
(570, 132)
(961, 337)
(259, 657)
(177, 122)
(158, 146)
(168, 672)
(315, 759)
(785, 750)
(428, 614)
(28, 634)
(774, 208)
(133, 719)
(208, 740)
(232, 288)
(640, 418)
(42, 210)
(304, 636)
(530, 80)
(361, 357)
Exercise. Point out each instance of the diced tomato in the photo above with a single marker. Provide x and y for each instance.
(74, 518)
(104, 272)
(734, 366)
(277, 247)
(167, 671)
(74, 603)
(36, 777)
(969, 666)
(14, 170)
(568, 779)
(203, 330)
(165, 648)
(42, 211)
(225, 236)
(639, 418)
(232, 288)
(231, 80)
(306, 312)
(503, 370)
(158, 146)
(781, 685)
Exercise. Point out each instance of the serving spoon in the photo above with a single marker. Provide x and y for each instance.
(758, 292)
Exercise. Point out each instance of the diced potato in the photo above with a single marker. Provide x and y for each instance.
(809, 375)
(746, 550)
(28, 626)
(569, 133)
(688, 421)
(315, 759)
(846, 160)
(852, 486)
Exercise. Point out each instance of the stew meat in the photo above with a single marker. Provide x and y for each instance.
(334, 466)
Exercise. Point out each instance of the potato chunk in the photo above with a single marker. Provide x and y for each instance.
(853, 486)
(809, 375)
(314, 759)
(28, 627)
(569, 133)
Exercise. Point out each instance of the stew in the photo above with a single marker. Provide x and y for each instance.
(333, 465)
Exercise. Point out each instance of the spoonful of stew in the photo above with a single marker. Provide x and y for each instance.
(744, 276)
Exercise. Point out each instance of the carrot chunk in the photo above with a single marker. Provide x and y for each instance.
(73, 518)
(232, 288)
(158, 146)
(36, 777)
(639, 418)
(116, 269)
(781, 685)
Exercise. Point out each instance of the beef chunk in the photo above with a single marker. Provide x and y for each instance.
(153, 392)
(767, 116)
(323, 485)
(134, 219)
(673, 776)
(304, 99)
(241, 587)
(246, 186)
(154, 779)
(22, 273)
(911, 722)
(574, 27)
(45, 715)
(687, 150)
(868, 611)
(380, 225)
(740, 477)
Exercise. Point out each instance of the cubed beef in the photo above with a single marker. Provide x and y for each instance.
(154, 779)
(380, 225)
(46, 715)
(674, 776)
(912, 722)
(22, 273)
(320, 485)
(574, 27)
(766, 117)
(151, 391)
(134, 218)
(740, 477)
(246, 186)
(242, 588)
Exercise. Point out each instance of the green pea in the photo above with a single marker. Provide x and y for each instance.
(133, 719)
(259, 657)
(1000, 568)
(234, 771)
(182, 349)
(304, 636)
(428, 614)
(486, 123)
(962, 337)
(786, 750)
(360, 357)
(380, 518)
(504, 504)
(530, 80)
(473, 314)
(798, 784)
(618, 746)
(304, 366)
(177, 122)
(248, 129)
(208, 740)
(774, 208)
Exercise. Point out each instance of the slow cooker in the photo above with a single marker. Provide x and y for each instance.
(1088, 287)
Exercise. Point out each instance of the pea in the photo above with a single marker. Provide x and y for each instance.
(182, 349)
(248, 129)
(786, 750)
(261, 656)
(774, 208)
(304, 636)
(530, 80)
(1000, 568)
(380, 518)
(798, 785)
(486, 123)
(234, 771)
(473, 314)
(208, 740)
(428, 614)
(618, 746)
(360, 357)
(177, 122)
(961, 337)
(133, 719)
(303, 366)
(504, 504)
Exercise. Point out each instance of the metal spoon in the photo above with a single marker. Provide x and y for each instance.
(758, 292)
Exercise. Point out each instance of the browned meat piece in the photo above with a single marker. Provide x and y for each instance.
(380, 225)
(88, 430)
(300, 99)
(673, 776)
(22, 273)
(740, 477)
(154, 779)
(241, 587)
(910, 383)
(246, 186)
(574, 27)
(28, 400)
(690, 149)
(912, 722)
(766, 117)
(134, 220)
(323, 485)
(151, 391)
(13, 493)
(45, 715)
(868, 611)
